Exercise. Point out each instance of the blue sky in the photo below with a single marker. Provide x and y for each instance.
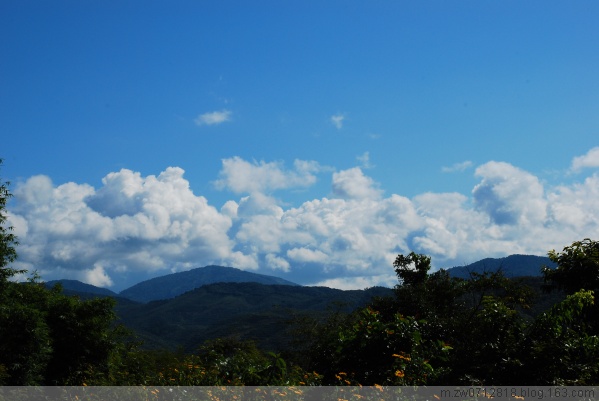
(309, 140)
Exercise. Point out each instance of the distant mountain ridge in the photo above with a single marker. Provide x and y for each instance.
(79, 287)
(185, 309)
(511, 266)
(175, 284)
(172, 285)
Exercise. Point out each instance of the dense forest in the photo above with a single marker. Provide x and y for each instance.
(434, 330)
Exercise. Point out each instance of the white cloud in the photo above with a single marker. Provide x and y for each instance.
(241, 176)
(337, 120)
(358, 282)
(277, 263)
(18, 223)
(457, 167)
(364, 160)
(307, 255)
(353, 184)
(589, 160)
(97, 276)
(214, 118)
(135, 224)
(509, 195)
(132, 223)
(575, 208)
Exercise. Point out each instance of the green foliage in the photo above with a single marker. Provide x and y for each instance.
(387, 352)
(408, 275)
(52, 339)
(24, 335)
(440, 330)
(563, 349)
(8, 240)
(220, 362)
(578, 267)
(83, 339)
(487, 348)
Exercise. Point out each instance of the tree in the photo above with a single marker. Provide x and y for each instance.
(378, 350)
(577, 267)
(478, 317)
(24, 334)
(408, 275)
(84, 339)
(47, 337)
(8, 240)
(561, 348)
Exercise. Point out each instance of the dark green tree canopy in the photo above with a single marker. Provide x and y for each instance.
(577, 267)
(412, 269)
(8, 240)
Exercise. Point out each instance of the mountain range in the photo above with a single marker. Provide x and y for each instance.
(254, 311)
(510, 266)
(172, 285)
(175, 284)
(182, 310)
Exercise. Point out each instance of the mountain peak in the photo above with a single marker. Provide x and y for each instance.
(511, 266)
(172, 285)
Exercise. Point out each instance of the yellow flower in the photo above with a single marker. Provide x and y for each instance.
(399, 373)
(405, 358)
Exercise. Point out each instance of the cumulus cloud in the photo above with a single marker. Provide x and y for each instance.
(214, 118)
(509, 195)
(457, 167)
(307, 255)
(131, 223)
(575, 208)
(155, 224)
(589, 160)
(240, 176)
(353, 184)
(337, 120)
(275, 262)
(351, 283)
(97, 276)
